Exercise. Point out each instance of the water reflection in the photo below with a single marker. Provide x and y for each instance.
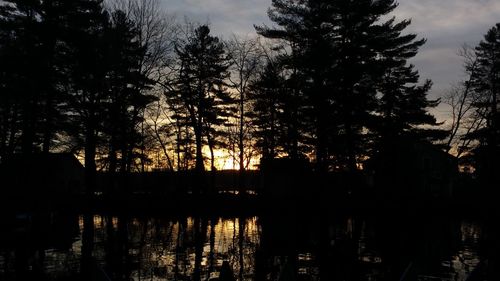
(180, 249)
(106, 247)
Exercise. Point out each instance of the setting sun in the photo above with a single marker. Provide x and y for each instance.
(224, 160)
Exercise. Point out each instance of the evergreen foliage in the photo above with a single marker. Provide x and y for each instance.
(486, 85)
(354, 79)
(200, 89)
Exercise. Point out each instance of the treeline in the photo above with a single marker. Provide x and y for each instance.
(128, 88)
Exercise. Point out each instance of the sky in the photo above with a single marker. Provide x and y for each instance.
(446, 24)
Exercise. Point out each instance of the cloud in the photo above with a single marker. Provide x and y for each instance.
(225, 16)
(447, 25)
(449, 15)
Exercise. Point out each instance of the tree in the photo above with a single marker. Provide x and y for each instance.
(266, 94)
(73, 59)
(26, 26)
(486, 85)
(246, 58)
(107, 88)
(162, 129)
(305, 27)
(9, 77)
(125, 90)
(340, 53)
(87, 49)
(402, 104)
(32, 74)
(200, 87)
(156, 32)
(464, 118)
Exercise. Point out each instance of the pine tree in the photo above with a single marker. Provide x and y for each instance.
(266, 94)
(402, 104)
(335, 48)
(9, 77)
(344, 56)
(87, 71)
(125, 85)
(305, 26)
(486, 85)
(200, 87)
(106, 86)
(53, 18)
(34, 74)
(28, 56)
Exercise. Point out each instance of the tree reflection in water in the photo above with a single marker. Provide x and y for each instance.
(179, 249)
(290, 247)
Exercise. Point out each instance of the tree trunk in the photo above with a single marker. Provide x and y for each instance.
(90, 153)
(321, 141)
(48, 126)
(12, 133)
(200, 166)
(178, 144)
(241, 146)
(4, 132)
(29, 120)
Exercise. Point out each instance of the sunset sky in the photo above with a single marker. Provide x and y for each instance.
(447, 24)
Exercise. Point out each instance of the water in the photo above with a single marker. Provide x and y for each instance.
(286, 247)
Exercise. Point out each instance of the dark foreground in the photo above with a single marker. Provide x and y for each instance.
(291, 244)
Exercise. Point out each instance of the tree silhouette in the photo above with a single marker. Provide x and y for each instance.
(402, 105)
(10, 76)
(32, 75)
(341, 54)
(246, 58)
(302, 27)
(486, 84)
(126, 98)
(87, 68)
(201, 89)
(107, 95)
(464, 118)
(156, 32)
(266, 95)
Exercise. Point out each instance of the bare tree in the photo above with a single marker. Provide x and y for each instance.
(158, 32)
(160, 124)
(247, 58)
(465, 119)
